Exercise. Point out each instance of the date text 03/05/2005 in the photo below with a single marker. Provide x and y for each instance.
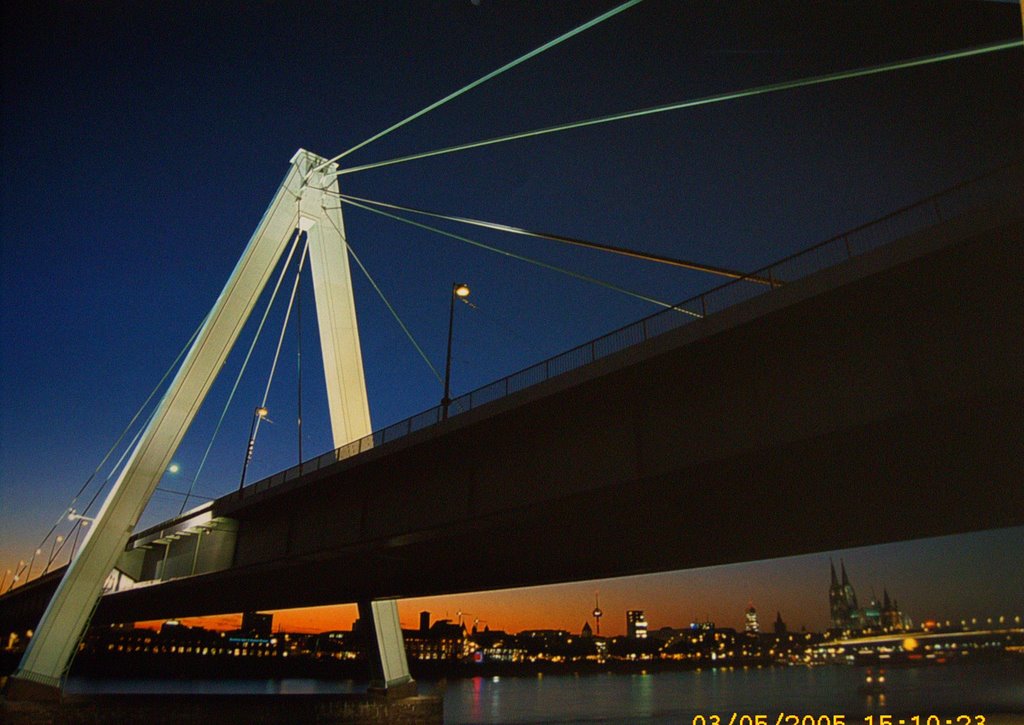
(792, 719)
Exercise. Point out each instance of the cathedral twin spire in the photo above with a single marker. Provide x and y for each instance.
(845, 612)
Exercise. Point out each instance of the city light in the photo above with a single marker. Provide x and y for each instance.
(451, 645)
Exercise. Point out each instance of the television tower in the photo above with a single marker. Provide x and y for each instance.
(597, 614)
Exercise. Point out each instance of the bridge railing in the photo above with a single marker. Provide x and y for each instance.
(1003, 183)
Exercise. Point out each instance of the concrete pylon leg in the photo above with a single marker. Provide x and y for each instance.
(321, 218)
(389, 667)
(49, 653)
(300, 203)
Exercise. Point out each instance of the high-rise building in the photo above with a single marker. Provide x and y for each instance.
(750, 624)
(636, 624)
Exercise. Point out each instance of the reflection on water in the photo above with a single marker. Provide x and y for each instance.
(641, 692)
(672, 697)
(82, 686)
(665, 697)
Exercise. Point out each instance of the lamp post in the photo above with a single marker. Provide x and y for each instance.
(259, 414)
(460, 290)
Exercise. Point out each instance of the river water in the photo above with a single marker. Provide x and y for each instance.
(668, 697)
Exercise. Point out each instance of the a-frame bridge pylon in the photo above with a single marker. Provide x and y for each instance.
(299, 205)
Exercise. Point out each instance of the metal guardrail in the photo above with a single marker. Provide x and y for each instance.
(1004, 182)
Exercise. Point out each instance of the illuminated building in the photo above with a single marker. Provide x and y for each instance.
(848, 616)
(442, 641)
(666, 634)
(496, 646)
(750, 625)
(550, 644)
(337, 645)
(842, 601)
(871, 615)
(892, 618)
(636, 624)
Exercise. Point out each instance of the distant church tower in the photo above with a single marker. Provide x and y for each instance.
(842, 600)
(892, 618)
(836, 602)
(780, 626)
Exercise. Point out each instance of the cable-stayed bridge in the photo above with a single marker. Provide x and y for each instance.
(654, 433)
(870, 394)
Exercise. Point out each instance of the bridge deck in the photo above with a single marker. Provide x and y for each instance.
(875, 401)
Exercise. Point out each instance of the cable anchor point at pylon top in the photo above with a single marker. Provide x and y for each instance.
(312, 165)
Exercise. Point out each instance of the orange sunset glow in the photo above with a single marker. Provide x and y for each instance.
(922, 572)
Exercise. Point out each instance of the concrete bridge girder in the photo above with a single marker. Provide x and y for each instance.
(870, 403)
(877, 401)
(199, 545)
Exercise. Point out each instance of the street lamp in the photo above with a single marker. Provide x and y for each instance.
(460, 290)
(259, 414)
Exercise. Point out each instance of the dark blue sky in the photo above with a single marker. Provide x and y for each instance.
(142, 142)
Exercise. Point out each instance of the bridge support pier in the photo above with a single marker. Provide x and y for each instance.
(389, 667)
(299, 206)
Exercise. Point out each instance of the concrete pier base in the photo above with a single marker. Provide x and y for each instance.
(255, 709)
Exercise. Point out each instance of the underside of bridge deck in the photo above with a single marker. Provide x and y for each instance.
(880, 401)
(877, 401)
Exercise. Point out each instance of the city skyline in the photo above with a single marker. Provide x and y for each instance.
(138, 160)
(722, 593)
